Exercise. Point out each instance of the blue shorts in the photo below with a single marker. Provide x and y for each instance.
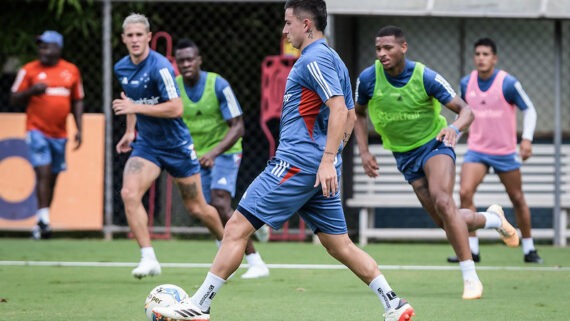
(282, 190)
(499, 163)
(223, 175)
(178, 162)
(46, 150)
(411, 163)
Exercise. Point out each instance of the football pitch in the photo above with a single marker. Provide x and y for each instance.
(89, 279)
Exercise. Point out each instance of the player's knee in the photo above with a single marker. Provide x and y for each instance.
(128, 195)
(466, 195)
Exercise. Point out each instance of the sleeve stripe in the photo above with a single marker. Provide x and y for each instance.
(316, 73)
(18, 81)
(523, 94)
(168, 83)
(445, 84)
(232, 102)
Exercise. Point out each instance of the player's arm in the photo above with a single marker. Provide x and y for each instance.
(515, 94)
(326, 175)
(124, 145)
(169, 109)
(77, 111)
(361, 133)
(20, 97)
(436, 86)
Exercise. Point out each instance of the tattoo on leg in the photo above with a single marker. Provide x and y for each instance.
(188, 191)
(134, 166)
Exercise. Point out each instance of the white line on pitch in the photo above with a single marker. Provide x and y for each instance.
(285, 266)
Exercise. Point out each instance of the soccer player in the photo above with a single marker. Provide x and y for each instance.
(151, 101)
(493, 95)
(50, 88)
(316, 122)
(403, 98)
(214, 117)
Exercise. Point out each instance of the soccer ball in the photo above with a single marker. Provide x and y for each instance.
(162, 296)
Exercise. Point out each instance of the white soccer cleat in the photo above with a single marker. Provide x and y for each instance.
(184, 310)
(146, 268)
(262, 234)
(507, 232)
(403, 312)
(256, 271)
(472, 290)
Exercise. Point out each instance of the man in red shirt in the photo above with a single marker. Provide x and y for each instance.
(50, 88)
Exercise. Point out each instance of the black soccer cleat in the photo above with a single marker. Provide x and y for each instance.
(454, 259)
(532, 257)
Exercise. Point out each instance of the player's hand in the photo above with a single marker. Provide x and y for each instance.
(124, 145)
(78, 140)
(525, 149)
(38, 89)
(369, 164)
(123, 105)
(207, 160)
(448, 136)
(326, 176)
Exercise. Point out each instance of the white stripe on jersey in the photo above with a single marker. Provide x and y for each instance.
(316, 73)
(445, 84)
(523, 94)
(232, 102)
(356, 91)
(168, 83)
(18, 81)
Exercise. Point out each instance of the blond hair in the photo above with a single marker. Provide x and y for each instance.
(136, 18)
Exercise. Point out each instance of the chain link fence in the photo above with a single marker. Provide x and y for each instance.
(234, 38)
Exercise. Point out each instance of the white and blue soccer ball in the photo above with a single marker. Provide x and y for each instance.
(162, 296)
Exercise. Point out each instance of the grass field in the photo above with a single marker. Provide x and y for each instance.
(68, 279)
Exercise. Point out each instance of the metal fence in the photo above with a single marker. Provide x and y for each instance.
(234, 37)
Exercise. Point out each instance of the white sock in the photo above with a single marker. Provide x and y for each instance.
(43, 215)
(527, 245)
(492, 220)
(147, 253)
(205, 294)
(384, 292)
(218, 243)
(254, 259)
(474, 244)
(468, 270)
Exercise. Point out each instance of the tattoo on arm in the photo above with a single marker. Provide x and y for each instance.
(188, 191)
(345, 139)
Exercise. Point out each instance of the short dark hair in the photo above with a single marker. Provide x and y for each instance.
(316, 8)
(186, 43)
(387, 31)
(487, 42)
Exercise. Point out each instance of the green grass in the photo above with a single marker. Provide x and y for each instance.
(110, 293)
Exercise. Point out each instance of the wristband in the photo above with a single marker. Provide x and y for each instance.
(457, 131)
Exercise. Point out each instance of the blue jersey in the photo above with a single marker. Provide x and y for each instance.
(436, 86)
(318, 75)
(152, 82)
(512, 90)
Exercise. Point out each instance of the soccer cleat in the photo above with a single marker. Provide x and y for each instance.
(403, 312)
(184, 310)
(256, 271)
(455, 259)
(507, 231)
(146, 268)
(532, 257)
(41, 231)
(262, 234)
(472, 289)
